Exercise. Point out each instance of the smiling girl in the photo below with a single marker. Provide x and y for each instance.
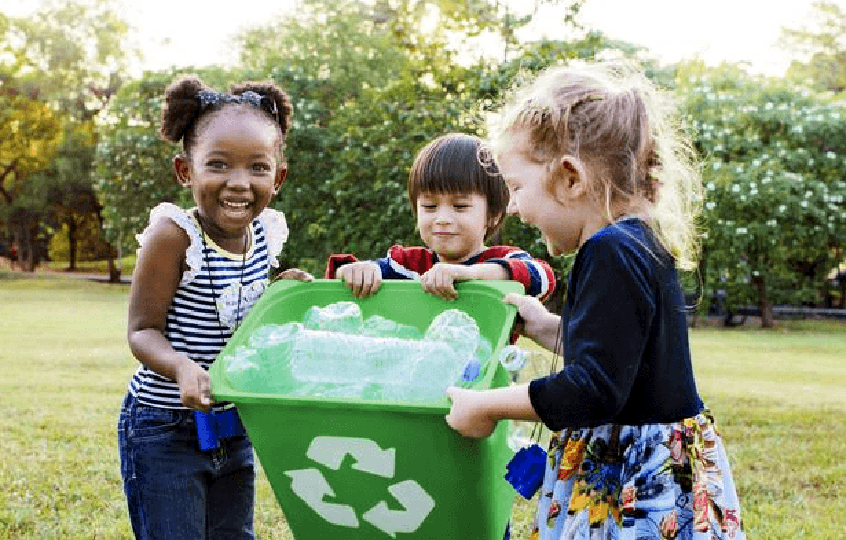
(198, 272)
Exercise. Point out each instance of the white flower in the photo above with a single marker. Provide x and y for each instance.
(831, 155)
(735, 188)
(710, 205)
(717, 165)
(711, 186)
(782, 208)
(804, 204)
(741, 230)
(771, 222)
(797, 129)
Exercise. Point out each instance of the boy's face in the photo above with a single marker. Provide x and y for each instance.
(453, 225)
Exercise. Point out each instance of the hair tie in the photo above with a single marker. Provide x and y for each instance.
(210, 98)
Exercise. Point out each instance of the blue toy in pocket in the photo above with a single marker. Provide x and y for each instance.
(526, 469)
(214, 426)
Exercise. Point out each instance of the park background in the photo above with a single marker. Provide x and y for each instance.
(371, 82)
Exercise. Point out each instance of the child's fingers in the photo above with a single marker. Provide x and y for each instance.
(514, 299)
(295, 273)
(374, 283)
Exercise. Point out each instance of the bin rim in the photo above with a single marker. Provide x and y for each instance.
(222, 391)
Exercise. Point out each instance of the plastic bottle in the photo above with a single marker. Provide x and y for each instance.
(524, 366)
(343, 317)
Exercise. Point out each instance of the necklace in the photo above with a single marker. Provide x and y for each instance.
(211, 280)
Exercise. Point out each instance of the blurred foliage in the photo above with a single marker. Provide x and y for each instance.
(774, 155)
(819, 49)
(372, 83)
(58, 69)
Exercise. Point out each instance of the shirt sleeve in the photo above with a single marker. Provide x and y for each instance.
(535, 275)
(606, 327)
(335, 262)
(405, 263)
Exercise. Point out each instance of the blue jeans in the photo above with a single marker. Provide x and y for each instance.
(175, 491)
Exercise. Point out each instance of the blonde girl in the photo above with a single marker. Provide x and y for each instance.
(592, 159)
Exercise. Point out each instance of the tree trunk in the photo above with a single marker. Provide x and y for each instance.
(72, 244)
(114, 269)
(26, 247)
(766, 307)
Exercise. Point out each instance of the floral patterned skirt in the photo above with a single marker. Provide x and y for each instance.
(655, 481)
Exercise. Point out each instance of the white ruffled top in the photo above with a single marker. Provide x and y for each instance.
(272, 221)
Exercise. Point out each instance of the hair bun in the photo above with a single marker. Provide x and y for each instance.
(181, 108)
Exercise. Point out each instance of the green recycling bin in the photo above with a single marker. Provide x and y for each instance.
(355, 469)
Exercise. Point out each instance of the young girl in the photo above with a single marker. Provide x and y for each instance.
(591, 160)
(459, 202)
(197, 274)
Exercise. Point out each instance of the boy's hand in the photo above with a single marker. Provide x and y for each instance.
(440, 279)
(363, 278)
(294, 273)
(194, 385)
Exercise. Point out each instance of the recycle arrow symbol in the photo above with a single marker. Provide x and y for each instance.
(414, 499)
(330, 451)
(310, 486)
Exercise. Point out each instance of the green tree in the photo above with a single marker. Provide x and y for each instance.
(820, 48)
(68, 57)
(773, 161)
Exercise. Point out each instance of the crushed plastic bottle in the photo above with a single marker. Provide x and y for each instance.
(378, 326)
(338, 317)
(333, 353)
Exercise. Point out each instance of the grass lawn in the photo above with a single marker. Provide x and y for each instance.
(779, 397)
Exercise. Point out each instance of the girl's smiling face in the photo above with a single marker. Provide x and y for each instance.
(453, 225)
(233, 173)
(550, 196)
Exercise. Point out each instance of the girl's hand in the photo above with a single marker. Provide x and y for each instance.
(538, 324)
(363, 278)
(467, 415)
(294, 273)
(440, 279)
(194, 385)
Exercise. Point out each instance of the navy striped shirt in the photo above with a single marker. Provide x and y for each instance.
(205, 308)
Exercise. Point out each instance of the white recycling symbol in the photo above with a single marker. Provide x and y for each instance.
(310, 486)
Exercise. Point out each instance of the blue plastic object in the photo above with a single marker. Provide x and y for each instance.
(526, 469)
(471, 370)
(214, 426)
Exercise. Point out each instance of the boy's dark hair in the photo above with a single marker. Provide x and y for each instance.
(183, 114)
(457, 163)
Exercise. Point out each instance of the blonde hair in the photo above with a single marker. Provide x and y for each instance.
(624, 129)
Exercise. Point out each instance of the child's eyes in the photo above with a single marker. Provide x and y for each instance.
(262, 167)
(217, 165)
(461, 206)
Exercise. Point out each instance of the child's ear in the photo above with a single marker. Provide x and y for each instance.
(182, 169)
(281, 174)
(570, 180)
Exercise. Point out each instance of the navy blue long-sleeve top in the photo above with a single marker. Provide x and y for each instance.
(624, 337)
